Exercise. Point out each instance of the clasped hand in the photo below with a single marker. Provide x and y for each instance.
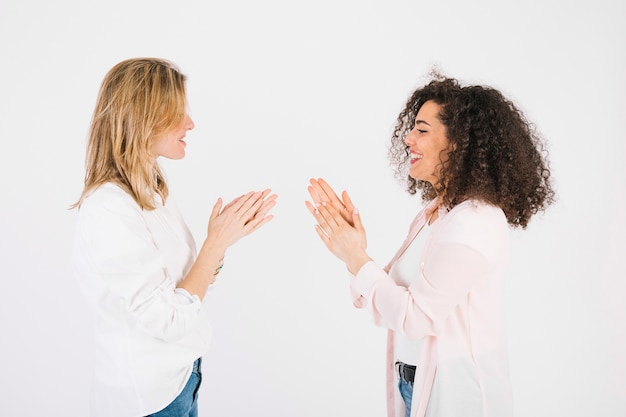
(240, 217)
(338, 224)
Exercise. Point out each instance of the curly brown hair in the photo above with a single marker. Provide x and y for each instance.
(495, 154)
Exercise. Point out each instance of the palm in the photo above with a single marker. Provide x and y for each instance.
(321, 192)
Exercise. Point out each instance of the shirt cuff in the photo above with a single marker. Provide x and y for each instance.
(185, 294)
(365, 279)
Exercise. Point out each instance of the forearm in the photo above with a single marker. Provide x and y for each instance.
(438, 288)
(205, 269)
(356, 261)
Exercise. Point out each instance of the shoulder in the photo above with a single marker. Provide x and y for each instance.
(109, 216)
(104, 193)
(108, 200)
(477, 211)
(475, 221)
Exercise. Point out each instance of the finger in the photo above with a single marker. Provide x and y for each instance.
(252, 199)
(260, 217)
(347, 201)
(316, 192)
(356, 220)
(334, 200)
(311, 207)
(270, 199)
(323, 192)
(322, 235)
(236, 203)
(259, 209)
(330, 193)
(259, 205)
(322, 224)
(256, 223)
(314, 195)
(265, 208)
(217, 207)
(329, 215)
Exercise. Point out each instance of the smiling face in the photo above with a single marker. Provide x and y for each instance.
(171, 144)
(428, 143)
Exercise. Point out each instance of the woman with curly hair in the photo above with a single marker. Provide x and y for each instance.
(134, 257)
(482, 170)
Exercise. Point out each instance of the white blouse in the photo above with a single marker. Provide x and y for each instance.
(128, 262)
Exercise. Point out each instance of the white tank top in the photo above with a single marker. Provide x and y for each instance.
(403, 272)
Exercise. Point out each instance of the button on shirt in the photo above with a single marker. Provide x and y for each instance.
(148, 333)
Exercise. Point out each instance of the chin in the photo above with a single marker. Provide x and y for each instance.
(174, 157)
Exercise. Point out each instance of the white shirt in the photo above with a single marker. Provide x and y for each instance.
(128, 262)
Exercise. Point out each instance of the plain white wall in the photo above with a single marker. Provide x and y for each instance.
(282, 91)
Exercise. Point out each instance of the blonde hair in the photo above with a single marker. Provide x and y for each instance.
(138, 100)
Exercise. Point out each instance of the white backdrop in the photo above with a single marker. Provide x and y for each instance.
(282, 91)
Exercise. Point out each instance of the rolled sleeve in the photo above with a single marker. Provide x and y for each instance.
(185, 294)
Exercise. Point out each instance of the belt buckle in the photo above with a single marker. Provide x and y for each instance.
(400, 370)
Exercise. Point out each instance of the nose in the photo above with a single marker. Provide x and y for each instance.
(189, 124)
(409, 139)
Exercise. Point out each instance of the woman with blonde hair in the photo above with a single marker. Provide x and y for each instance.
(134, 257)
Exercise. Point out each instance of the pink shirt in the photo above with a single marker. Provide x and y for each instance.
(455, 306)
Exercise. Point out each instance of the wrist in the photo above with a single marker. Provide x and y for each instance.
(355, 264)
(210, 247)
(218, 269)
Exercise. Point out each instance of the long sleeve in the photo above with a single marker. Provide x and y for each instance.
(147, 332)
(119, 258)
(461, 249)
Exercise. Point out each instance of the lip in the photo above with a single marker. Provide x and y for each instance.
(415, 157)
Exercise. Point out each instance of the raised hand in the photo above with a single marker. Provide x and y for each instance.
(227, 225)
(240, 217)
(320, 192)
(338, 225)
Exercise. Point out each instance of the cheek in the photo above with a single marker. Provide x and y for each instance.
(443, 144)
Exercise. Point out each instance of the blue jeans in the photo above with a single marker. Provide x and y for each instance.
(406, 390)
(186, 404)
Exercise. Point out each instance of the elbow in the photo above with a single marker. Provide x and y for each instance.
(419, 322)
(168, 321)
(413, 330)
(173, 331)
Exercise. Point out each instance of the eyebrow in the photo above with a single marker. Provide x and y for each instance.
(417, 122)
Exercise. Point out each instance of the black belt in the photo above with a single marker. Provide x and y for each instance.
(405, 372)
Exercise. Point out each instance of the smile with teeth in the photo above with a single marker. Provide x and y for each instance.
(415, 156)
